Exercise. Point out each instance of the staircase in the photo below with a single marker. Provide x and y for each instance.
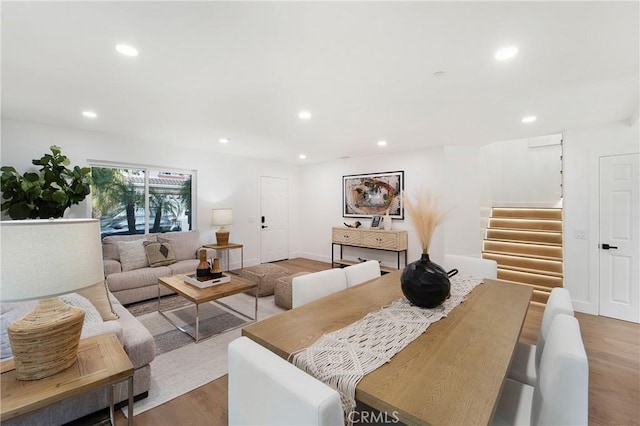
(527, 245)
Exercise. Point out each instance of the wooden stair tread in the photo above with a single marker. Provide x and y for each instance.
(531, 271)
(529, 213)
(532, 256)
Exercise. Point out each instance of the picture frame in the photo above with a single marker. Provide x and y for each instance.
(376, 221)
(371, 194)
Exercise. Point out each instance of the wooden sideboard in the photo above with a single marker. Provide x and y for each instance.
(376, 239)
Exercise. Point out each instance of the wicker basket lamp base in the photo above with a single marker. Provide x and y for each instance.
(222, 238)
(45, 341)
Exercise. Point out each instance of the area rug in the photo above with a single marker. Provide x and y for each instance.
(180, 364)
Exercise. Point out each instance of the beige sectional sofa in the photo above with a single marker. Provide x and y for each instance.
(130, 275)
(100, 317)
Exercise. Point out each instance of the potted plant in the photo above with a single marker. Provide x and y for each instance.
(47, 193)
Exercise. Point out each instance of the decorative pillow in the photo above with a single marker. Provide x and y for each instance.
(185, 244)
(110, 244)
(9, 312)
(159, 254)
(132, 255)
(91, 314)
(99, 297)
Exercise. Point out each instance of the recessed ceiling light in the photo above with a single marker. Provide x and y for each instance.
(127, 50)
(302, 156)
(529, 119)
(506, 53)
(89, 114)
(223, 140)
(382, 143)
(304, 115)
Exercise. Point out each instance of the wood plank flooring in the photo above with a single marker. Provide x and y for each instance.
(613, 348)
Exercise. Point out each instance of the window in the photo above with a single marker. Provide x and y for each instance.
(140, 200)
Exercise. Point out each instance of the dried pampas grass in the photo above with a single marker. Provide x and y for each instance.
(423, 212)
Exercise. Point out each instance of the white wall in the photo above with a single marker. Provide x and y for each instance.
(222, 180)
(582, 148)
(518, 174)
(322, 198)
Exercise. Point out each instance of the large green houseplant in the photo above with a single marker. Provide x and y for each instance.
(47, 193)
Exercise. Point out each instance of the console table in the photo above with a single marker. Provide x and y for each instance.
(376, 239)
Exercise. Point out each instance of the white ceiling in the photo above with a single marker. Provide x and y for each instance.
(243, 70)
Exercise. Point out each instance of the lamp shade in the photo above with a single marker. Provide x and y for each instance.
(48, 257)
(221, 217)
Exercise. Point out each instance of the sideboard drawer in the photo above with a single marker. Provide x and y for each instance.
(347, 236)
(380, 240)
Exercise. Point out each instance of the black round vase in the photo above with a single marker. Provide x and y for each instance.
(425, 283)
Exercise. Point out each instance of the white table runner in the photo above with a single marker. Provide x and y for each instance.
(342, 358)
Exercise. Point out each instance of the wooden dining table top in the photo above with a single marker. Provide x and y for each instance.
(452, 374)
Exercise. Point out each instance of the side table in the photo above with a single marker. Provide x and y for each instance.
(101, 361)
(227, 247)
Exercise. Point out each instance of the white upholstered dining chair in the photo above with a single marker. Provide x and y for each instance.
(467, 265)
(526, 357)
(561, 392)
(265, 389)
(307, 288)
(361, 272)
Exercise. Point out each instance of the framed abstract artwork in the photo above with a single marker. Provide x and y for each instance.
(369, 195)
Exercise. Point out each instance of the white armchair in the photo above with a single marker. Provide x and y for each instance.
(307, 288)
(561, 393)
(265, 389)
(483, 268)
(361, 272)
(526, 357)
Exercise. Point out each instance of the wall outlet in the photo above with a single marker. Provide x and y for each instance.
(580, 234)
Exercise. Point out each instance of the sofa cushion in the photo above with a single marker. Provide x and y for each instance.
(110, 244)
(159, 254)
(98, 296)
(185, 244)
(132, 255)
(184, 267)
(137, 340)
(137, 278)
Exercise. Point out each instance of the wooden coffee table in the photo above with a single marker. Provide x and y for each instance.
(101, 362)
(209, 294)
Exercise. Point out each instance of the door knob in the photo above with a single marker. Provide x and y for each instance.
(264, 226)
(606, 246)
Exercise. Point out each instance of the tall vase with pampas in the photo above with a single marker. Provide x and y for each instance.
(424, 283)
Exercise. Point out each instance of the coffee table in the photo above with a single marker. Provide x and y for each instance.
(209, 294)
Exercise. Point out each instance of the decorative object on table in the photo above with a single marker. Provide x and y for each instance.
(355, 224)
(203, 270)
(375, 222)
(222, 218)
(368, 195)
(216, 272)
(46, 193)
(45, 341)
(386, 224)
(424, 283)
(208, 282)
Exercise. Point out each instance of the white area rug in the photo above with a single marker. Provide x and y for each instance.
(181, 370)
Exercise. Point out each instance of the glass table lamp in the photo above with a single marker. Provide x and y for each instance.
(222, 217)
(42, 259)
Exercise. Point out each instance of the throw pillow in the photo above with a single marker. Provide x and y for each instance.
(99, 297)
(185, 244)
(91, 314)
(132, 255)
(159, 254)
(9, 312)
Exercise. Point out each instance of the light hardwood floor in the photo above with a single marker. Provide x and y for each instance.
(613, 349)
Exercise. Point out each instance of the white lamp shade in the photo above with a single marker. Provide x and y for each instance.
(221, 217)
(49, 257)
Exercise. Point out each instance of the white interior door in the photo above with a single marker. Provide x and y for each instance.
(620, 237)
(274, 211)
